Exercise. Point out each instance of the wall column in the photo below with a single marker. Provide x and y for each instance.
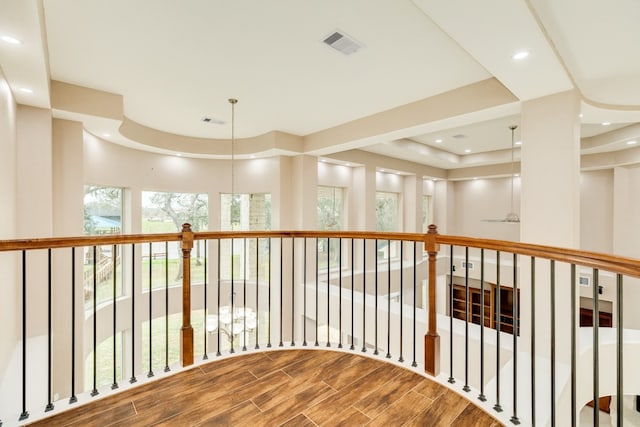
(550, 215)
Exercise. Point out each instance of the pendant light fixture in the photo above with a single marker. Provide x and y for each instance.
(512, 216)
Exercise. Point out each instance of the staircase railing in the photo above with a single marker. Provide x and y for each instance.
(375, 293)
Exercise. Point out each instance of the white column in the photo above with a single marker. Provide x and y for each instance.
(550, 215)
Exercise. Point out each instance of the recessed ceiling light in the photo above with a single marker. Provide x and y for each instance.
(323, 160)
(467, 150)
(253, 157)
(347, 164)
(517, 143)
(106, 135)
(25, 90)
(517, 174)
(10, 40)
(581, 115)
(382, 170)
(632, 142)
(475, 177)
(178, 154)
(520, 55)
(606, 123)
(438, 141)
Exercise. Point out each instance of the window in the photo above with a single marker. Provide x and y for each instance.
(244, 212)
(427, 218)
(387, 219)
(102, 215)
(330, 216)
(165, 213)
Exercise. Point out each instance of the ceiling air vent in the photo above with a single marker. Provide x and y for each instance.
(213, 120)
(342, 43)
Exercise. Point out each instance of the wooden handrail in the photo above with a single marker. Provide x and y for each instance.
(431, 240)
(612, 263)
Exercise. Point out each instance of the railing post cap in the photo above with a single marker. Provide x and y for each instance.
(186, 227)
(433, 229)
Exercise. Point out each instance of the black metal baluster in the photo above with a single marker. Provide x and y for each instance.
(257, 292)
(205, 357)
(133, 314)
(466, 320)
(218, 352)
(114, 385)
(553, 341)
(619, 352)
(233, 293)
(375, 303)
(49, 406)
(451, 379)
(482, 397)
(400, 359)
(73, 398)
(293, 290)
(317, 279)
(353, 261)
(364, 294)
(596, 348)
(533, 341)
(94, 392)
(415, 265)
(244, 295)
(328, 292)
(340, 291)
(281, 344)
(388, 355)
(574, 378)
(498, 321)
(304, 294)
(269, 296)
(516, 329)
(24, 415)
(150, 373)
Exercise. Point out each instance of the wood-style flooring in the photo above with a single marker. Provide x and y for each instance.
(283, 388)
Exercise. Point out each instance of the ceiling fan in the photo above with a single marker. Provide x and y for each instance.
(511, 217)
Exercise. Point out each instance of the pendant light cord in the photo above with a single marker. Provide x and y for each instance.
(513, 129)
(233, 103)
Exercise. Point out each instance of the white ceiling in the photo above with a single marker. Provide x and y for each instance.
(177, 62)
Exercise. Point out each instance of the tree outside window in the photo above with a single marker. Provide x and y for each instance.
(330, 216)
(165, 212)
(387, 219)
(244, 212)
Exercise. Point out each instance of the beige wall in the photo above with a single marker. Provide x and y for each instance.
(8, 262)
(596, 211)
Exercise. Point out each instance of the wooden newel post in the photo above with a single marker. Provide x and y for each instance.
(186, 332)
(432, 339)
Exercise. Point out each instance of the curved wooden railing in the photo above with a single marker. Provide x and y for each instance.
(432, 241)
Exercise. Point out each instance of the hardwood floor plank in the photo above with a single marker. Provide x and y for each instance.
(236, 416)
(429, 388)
(402, 410)
(310, 366)
(351, 371)
(280, 359)
(295, 404)
(347, 417)
(99, 416)
(301, 387)
(472, 416)
(441, 412)
(355, 391)
(298, 421)
(375, 403)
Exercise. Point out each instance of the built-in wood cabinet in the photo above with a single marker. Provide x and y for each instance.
(485, 308)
